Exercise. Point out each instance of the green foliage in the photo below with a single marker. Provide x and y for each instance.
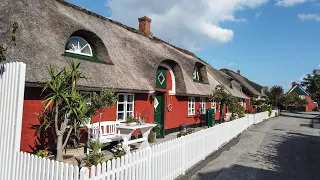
(4, 45)
(265, 107)
(312, 84)
(184, 133)
(289, 99)
(131, 119)
(219, 94)
(233, 103)
(274, 95)
(43, 153)
(65, 107)
(95, 157)
(104, 100)
(157, 128)
(118, 150)
(234, 106)
(302, 102)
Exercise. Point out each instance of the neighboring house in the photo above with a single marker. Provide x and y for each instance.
(251, 89)
(153, 79)
(303, 94)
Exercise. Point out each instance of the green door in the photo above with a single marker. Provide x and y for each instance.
(159, 113)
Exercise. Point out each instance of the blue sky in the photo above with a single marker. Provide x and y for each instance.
(272, 42)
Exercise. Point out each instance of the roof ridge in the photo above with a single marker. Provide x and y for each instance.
(131, 29)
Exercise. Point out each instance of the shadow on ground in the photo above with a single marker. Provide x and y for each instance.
(296, 115)
(294, 156)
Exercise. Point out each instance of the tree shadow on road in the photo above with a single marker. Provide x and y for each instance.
(292, 115)
(294, 156)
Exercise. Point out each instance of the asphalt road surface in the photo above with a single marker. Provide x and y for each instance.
(283, 148)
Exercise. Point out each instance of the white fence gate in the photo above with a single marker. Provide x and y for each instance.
(167, 160)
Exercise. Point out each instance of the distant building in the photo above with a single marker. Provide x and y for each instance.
(303, 94)
(249, 88)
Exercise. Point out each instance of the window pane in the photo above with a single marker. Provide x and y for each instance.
(130, 98)
(129, 114)
(120, 98)
(86, 50)
(120, 107)
(120, 116)
(129, 107)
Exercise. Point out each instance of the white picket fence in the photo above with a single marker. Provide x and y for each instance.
(16, 165)
(167, 160)
(173, 158)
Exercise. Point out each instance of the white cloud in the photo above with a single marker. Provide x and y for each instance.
(230, 64)
(289, 3)
(304, 17)
(187, 23)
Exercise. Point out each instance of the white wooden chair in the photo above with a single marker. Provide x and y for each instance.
(108, 132)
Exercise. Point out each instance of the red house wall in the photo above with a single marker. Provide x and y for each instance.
(143, 107)
(31, 106)
(311, 105)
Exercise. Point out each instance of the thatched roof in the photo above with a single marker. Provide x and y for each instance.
(248, 86)
(133, 58)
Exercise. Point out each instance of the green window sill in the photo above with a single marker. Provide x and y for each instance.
(86, 58)
(198, 81)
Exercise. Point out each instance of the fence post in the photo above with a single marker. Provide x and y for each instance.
(183, 153)
(19, 109)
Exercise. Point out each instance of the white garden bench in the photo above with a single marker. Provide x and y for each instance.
(108, 132)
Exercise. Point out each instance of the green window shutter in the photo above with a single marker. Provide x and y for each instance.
(161, 79)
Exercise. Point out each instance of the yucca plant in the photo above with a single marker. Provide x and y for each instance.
(96, 156)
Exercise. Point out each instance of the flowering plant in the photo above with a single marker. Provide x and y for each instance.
(118, 150)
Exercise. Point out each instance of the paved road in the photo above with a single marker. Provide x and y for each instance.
(284, 148)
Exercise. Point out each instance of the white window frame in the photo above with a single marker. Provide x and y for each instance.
(191, 106)
(125, 105)
(203, 106)
(214, 106)
(78, 50)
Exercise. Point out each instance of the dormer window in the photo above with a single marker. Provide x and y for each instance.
(78, 45)
(200, 73)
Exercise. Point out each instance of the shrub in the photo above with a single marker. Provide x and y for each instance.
(43, 153)
(118, 151)
(95, 157)
(157, 128)
(265, 107)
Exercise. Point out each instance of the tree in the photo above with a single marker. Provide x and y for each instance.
(312, 84)
(275, 94)
(68, 109)
(233, 103)
(220, 95)
(103, 101)
(302, 102)
(289, 99)
(235, 107)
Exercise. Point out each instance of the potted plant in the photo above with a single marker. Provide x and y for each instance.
(153, 133)
(131, 121)
(95, 156)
